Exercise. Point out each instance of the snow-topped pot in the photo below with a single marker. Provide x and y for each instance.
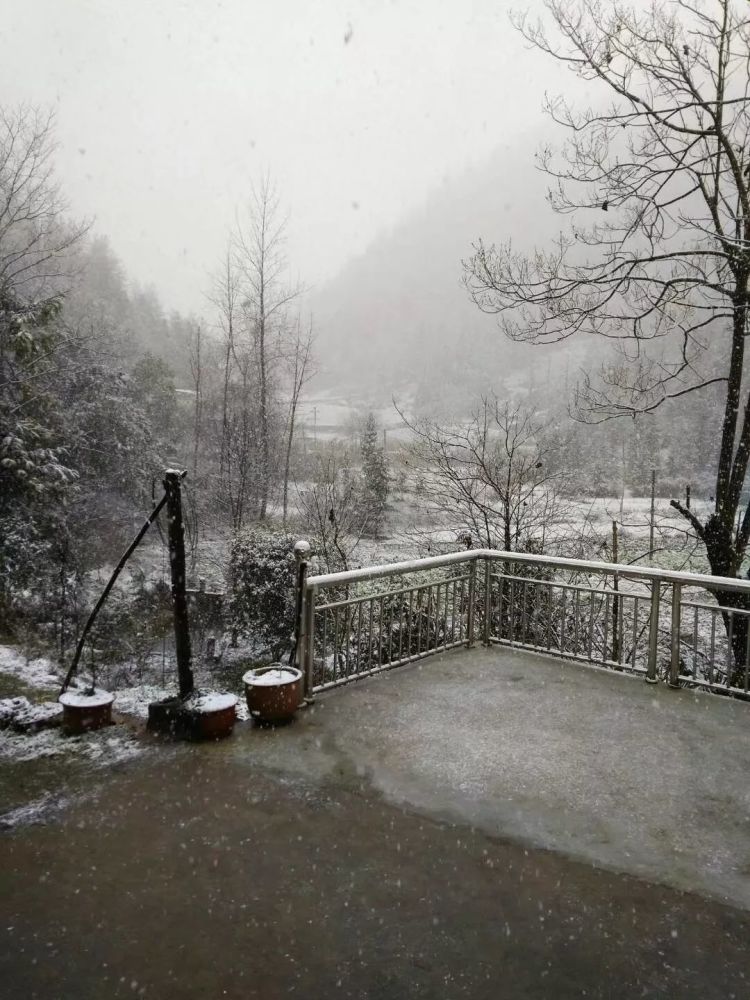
(85, 710)
(213, 715)
(204, 715)
(273, 693)
(207, 703)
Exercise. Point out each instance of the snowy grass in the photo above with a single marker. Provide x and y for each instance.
(22, 715)
(103, 748)
(38, 673)
(40, 810)
(131, 699)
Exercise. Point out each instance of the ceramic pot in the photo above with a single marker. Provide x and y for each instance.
(83, 712)
(273, 693)
(199, 717)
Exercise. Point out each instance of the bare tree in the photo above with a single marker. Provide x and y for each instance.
(235, 409)
(35, 240)
(332, 509)
(658, 255)
(260, 257)
(489, 477)
(192, 515)
(300, 371)
(241, 481)
(224, 296)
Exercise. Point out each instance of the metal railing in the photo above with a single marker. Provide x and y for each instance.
(657, 623)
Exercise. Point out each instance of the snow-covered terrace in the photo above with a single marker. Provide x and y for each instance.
(480, 823)
(594, 764)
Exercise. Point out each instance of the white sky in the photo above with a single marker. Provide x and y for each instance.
(168, 109)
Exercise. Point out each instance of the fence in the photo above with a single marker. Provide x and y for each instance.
(656, 623)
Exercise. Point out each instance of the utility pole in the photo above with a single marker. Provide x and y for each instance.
(652, 517)
(315, 425)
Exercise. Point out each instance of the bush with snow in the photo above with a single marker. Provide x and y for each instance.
(262, 574)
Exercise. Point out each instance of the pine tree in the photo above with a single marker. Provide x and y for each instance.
(374, 475)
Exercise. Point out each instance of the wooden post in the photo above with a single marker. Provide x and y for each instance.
(176, 537)
(687, 496)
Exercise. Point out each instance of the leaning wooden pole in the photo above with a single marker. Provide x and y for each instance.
(105, 593)
(176, 539)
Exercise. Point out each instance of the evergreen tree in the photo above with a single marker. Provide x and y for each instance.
(374, 474)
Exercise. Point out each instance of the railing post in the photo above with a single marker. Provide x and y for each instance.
(488, 601)
(653, 632)
(472, 602)
(301, 553)
(674, 659)
(309, 641)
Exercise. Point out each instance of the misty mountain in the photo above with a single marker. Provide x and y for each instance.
(396, 321)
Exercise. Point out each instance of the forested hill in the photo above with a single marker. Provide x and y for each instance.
(398, 317)
(100, 297)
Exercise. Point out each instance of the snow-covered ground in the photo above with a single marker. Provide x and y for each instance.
(112, 745)
(585, 532)
(109, 746)
(103, 747)
(326, 417)
(37, 672)
(40, 810)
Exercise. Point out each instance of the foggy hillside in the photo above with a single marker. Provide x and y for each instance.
(397, 319)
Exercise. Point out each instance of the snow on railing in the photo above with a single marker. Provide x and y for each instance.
(656, 623)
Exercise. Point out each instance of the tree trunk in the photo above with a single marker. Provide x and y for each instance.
(288, 459)
(264, 448)
(724, 560)
(736, 628)
(223, 452)
(198, 414)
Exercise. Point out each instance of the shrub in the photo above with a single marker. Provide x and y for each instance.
(262, 573)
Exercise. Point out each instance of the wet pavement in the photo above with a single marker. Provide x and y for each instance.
(595, 764)
(293, 862)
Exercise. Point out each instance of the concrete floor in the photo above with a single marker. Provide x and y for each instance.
(391, 844)
(598, 765)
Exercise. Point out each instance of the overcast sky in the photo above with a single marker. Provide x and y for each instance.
(168, 110)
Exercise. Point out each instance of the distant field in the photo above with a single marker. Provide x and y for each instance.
(327, 416)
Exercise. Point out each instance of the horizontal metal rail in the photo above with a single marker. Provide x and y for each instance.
(716, 607)
(577, 657)
(347, 633)
(580, 565)
(386, 593)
